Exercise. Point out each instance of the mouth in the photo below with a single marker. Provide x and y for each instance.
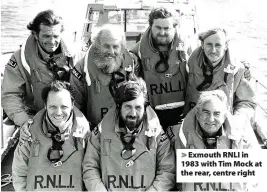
(58, 118)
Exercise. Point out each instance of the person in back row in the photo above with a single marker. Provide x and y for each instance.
(53, 159)
(129, 150)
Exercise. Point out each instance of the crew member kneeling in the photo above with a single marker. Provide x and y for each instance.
(53, 160)
(128, 150)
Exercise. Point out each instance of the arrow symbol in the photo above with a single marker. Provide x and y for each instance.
(183, 154)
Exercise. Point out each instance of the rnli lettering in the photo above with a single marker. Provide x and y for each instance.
(54, 181)
(163, 88)
(77, 74)
(104, 110)
(163, 137)
(12, 63)
(126, 181)
(213, 187)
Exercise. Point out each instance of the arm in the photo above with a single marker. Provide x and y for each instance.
(165, 173)
(20, 166)
(13, 93)
(91, 163)
(78, 84)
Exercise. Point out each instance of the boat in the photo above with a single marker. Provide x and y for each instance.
(133, 18)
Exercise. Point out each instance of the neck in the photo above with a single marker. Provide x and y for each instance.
(163, 47)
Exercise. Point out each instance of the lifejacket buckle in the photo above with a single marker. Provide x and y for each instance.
(58, 164)
(169, 75)
(129, 164)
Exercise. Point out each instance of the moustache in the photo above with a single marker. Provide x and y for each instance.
(110, 55)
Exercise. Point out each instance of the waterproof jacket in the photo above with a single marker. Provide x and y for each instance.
(188, 135)
(31, 169)
(25, 76)
(151, 168)
(228, 76)
(167, 88)
(92, 96)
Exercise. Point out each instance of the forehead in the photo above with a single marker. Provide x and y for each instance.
(55, 29)
(167, 22)
(60, 97)
(215, 38)
(214, 104)
(109, 38)
(139, 101)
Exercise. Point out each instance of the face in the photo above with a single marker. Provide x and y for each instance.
(59, 107)
(212, 116)
(49, 37)
(132, 112)
(163, 31)
(109, 54)
(215, 46)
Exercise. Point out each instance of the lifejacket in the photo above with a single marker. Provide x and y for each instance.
(98, 97)
(167, 87)
(225, 77)
(43, 175)
(137, 173)
(40, 75)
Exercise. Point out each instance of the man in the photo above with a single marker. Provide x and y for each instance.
(128, 150)
(163, 59)
(91, 76)
(207, 127)
(43, 58)
(212, 67)
(53, 160)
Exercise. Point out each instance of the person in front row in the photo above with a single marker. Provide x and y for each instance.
(53, 160)
(128, 150)
(204, 127)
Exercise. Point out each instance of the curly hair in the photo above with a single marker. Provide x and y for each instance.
(163, 13)
(48, 18)
(202, 36)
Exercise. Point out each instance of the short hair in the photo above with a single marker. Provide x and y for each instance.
(202, 36)
(113, 30)
(57, 86)
(207, 96)
(129, 89)
(48, 18)
(163, 13)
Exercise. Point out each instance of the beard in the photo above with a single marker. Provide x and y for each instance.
(162, 40)
(107, 62)
(131, 122)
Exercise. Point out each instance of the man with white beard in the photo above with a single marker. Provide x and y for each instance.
(90, 78)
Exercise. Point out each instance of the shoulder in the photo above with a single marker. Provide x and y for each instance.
(83, 126)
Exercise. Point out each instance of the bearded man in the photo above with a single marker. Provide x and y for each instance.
(91, 76)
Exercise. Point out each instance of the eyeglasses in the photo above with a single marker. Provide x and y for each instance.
(55, 153)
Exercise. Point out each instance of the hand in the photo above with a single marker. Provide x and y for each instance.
(25, 134)
(247, 73)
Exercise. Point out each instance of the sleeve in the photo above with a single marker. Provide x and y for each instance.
(20, 166)
(135, 49)
(13, 92)
(165, 173)
(244, 101)
(78, 84)
(91, 163)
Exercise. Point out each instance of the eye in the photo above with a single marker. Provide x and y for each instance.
(157, 27)
(64, 107)
(218, 45)
(52, 107)
(217, 113)
(106, 46)
(56, 36)
(46, 36)
(138, 108)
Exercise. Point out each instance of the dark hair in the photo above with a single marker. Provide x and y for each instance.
(206, 34)
(129, 89)
(57, 86)
(163, 13)
(48, 18)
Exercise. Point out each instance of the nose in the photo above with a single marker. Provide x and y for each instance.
(58, 111)
(211, 117)
(133, 112)
(111, 50)
(213, 49)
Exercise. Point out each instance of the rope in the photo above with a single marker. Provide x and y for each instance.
(6, 179)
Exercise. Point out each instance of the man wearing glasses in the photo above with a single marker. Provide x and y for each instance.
(53, 159)
(208, 126)
(128, 150)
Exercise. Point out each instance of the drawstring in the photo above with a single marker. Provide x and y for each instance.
(163, 60)
(6, 179)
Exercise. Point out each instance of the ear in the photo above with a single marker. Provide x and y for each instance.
(35, 35)
(202, 44)
(226, 45)
(45, 106)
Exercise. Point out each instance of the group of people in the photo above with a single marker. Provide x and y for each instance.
(113, 120)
